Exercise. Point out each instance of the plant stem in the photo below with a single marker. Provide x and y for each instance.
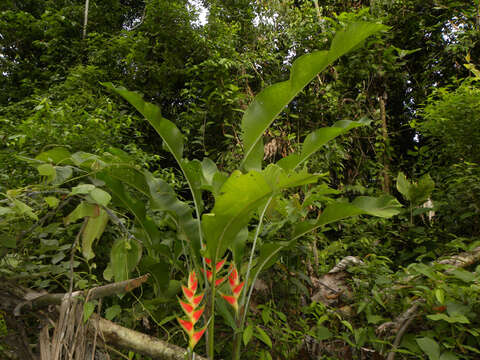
(243, 307)
(211, 325)
(237, 341)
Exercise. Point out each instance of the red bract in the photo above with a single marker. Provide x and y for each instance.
(236, 288)
(196, 337)
(190, 309)
(186, 307)
(218, 267)
(233, 278)
(186, 325)
(219, 281)
(187, 292)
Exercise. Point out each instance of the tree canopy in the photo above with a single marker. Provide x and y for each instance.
(296, 179)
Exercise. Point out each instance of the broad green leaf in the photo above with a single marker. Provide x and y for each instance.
(440, 295)
(88, 309)
(247, 334)
(108, 272)
(193, 171)
(136, 207)
(238, 246)
(63, 173)
(448, 356)
(403, 186)
(58, 155)
(51, 201)
(172, 137)
(99, 196)
(240, 196)
(48, 171)
(425, 270)
(454, 309)
(420, 192)
(124, 257)
(112, 312)
(58, 257)
(121, 172)
(316, 139)
(322, 333)
(263, 336)
(464, 275)
(460, 319)
(93, 231)
(271, 101)
(384, 206)
(429, 347)
(163, 198)
(82, 189)
(23, 209)
(416, 193)
(82, 210)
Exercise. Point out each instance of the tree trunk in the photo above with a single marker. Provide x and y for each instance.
(85, 20)
(386, 184)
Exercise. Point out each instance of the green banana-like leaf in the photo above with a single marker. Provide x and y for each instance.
(173, 140)
(240, 196)
(119, 172)
(136, 207)
(270, 102)
(161, 196)
(169, 133)
(384, 206)
(316, 139)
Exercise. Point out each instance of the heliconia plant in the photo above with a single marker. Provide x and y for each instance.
(243, 196)
(192, 311)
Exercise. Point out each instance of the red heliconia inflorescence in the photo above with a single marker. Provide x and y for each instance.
(218, 267)
(235, 286)
(189, 307)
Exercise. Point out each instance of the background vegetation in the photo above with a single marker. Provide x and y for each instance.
(417, 83)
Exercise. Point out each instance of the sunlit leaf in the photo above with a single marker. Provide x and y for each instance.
(429, 347)
(93, 231)
(124, 257)
(88, 309)
(271, 101)
(384, 206)
(48, 171)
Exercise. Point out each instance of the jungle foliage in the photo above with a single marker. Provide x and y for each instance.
(279, 137)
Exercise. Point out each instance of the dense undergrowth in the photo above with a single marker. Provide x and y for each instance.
(84, 173)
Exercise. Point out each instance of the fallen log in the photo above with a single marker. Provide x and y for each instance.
(138, 342)
(17, 302)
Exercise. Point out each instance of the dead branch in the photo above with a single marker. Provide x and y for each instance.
(94, 293)
(138, 342)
